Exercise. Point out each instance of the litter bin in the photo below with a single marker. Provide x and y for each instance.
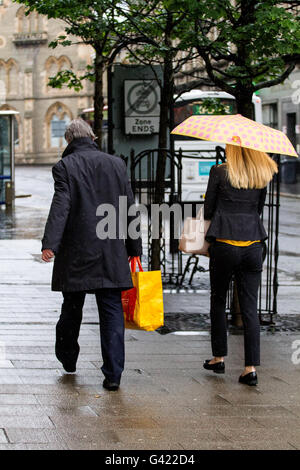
(288, 171)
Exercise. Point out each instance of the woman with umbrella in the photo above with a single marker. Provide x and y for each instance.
(234, 200)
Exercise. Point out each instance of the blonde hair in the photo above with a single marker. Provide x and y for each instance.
(249, 169)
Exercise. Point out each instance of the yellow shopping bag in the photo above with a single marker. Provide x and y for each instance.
(143, 305)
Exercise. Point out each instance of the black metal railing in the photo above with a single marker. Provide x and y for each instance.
(143, 181)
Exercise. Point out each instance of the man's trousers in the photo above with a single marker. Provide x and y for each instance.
(111, 330)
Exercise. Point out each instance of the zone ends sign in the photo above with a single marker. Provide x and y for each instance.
(141, 99)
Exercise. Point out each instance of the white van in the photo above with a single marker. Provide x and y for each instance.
(199, 155)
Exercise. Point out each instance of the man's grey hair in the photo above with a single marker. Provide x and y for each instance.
(78, 128)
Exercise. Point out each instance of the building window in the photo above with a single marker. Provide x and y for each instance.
(3, 82)
(57, 119)
(29, 28)
(270, 115)
(13, 82)
(291, 121)
(2, 91)
(32, 23)
(58, 127)
(9, 77)
(54, 65)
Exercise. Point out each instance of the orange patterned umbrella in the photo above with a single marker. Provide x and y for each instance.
(236, 130)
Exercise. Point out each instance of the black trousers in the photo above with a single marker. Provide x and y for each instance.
(245, 263)
(111, 330)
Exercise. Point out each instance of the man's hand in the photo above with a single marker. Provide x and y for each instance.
(47, 255)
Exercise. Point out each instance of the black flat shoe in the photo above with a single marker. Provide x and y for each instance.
(218, 367)
(111, 386)
(249, 379)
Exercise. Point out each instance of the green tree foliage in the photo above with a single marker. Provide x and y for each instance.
(246, 45)
(161, 31)
(89, 22)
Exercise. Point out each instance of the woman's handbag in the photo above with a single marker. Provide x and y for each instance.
(192, 239)
(143, 305)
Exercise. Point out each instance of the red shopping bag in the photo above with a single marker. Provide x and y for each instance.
(129, 296)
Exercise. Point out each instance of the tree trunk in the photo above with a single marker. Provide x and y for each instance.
(244, 102)
(244, 88)
(98, 97)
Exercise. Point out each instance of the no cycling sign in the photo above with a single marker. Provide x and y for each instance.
(141, 99)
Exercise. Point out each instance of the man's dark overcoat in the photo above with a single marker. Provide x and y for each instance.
(84, 179)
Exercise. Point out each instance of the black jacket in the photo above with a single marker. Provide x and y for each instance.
(234, 213)
(84, 179)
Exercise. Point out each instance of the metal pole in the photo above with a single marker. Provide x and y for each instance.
(276, 249)
(10, 185)
(12, 146)
(110, 145)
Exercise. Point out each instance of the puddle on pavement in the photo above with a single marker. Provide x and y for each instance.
(190, 333)
(22, 223)
(184, 324)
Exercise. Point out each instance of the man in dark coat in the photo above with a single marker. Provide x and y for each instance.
(86, 179)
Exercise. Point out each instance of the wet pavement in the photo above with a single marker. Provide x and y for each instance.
(291, 189)
(166, 400)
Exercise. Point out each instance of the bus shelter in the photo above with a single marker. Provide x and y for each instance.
(7, 156)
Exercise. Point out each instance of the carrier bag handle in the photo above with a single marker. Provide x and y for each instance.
(136, 261)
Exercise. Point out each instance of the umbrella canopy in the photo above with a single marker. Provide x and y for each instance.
(237, 130)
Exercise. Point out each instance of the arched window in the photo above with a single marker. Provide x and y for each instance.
(3, 81)
(57, 119)
(21, 20)
(64, 63)
(2, 91)
(58, 126)
(54, 65)
(9, 76)
(13, 77)
(31, 23)
(51, 67)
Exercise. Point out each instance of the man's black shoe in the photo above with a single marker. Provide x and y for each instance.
(217, 367)
(69, 367)
(111, 386)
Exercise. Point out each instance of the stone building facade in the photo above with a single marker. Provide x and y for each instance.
(26, 63)
(281, 107)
